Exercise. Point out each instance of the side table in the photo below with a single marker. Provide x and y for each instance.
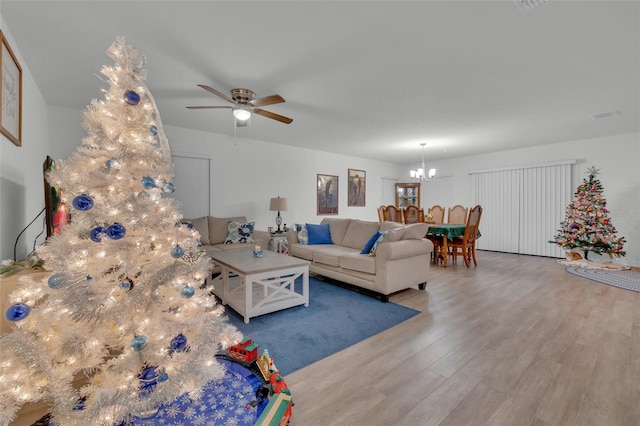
(279, 244)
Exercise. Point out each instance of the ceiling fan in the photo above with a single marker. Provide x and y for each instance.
(246, 104)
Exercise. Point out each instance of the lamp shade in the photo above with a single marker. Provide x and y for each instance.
(278, 205)
(241, 112)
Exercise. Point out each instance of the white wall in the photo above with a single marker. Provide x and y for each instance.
(21, 179)
(617, 157)
(247, 173)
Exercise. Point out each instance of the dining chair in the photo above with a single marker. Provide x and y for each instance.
(465, 246)
(381, 210)
(457, 214)
(436, 255)
(393, 214)
(412, 214)
(437, 213)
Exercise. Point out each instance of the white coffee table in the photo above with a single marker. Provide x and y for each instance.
(255, 286)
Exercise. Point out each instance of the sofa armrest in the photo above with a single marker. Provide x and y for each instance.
(292, 238)
(403, 249)
(262, 236)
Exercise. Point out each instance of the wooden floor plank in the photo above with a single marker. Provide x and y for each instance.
(517, 340)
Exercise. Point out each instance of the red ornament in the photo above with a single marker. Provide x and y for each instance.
(61, 218)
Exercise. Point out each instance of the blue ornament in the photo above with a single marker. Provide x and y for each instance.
(55, 281)
(153, 130)
(148, 182)
(169, 187)
(138, 343)
(18, 312)
(97, 233)
(148, 379)
(163, 377)
(127, 284)
(131, 97)
(179, 342)
(80, 405)
(148, 375)
(111, 163)
(177, 252)
(116, 231)
(83, 202)
(187, 292)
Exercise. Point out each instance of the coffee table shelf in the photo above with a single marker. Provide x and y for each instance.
(255, 286)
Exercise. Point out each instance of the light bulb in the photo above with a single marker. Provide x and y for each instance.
(241, 112)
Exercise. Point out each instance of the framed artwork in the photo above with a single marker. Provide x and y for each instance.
(357, 187)
(10, 94)
(327, 194)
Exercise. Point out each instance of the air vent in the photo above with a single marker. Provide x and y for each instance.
(525, 5)
(607, 114)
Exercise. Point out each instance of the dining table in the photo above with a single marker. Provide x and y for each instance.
(446, 231)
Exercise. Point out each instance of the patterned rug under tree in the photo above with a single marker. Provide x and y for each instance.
(627, 279)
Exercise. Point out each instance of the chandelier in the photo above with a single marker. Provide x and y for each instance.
(421, 173)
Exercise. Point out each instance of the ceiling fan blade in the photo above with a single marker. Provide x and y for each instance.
(215, 92)
(267, 100)
(273, 116)
(209, 107)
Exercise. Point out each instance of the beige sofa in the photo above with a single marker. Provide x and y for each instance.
(401, 261)
(213, 232)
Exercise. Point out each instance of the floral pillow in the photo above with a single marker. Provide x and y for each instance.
(380, 239)
(238, 232)
(303, 236)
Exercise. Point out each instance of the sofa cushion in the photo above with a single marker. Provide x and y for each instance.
(319, 234)
(330, 255)
(239, 232)
(359, 233)
(415, 231)
(387, 225)
(338, 228)
(218, 227)
(394, 234)
(302, 251)
(358, 262)
(303, 236)
(201, 225)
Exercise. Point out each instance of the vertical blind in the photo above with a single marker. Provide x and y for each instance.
(522, 207)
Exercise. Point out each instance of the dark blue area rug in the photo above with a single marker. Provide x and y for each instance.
(625, 278)
(335, 319)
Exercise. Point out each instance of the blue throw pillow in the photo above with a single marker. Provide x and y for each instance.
(380, 239)
(319, 234)
(367, 247)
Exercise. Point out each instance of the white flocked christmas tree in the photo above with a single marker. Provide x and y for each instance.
(123, 308)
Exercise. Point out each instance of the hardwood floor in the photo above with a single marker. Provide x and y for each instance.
(514, 341)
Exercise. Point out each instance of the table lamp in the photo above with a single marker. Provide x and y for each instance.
(278, 204)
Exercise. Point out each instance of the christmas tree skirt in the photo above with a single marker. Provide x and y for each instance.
(626, 279)
(587, 264)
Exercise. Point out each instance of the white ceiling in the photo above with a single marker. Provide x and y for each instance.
(364, 78)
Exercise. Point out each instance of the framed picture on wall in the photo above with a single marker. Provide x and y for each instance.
(10, 94)
(357, 180)
(327, 187)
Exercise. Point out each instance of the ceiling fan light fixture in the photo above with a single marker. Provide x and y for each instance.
(241, 112)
